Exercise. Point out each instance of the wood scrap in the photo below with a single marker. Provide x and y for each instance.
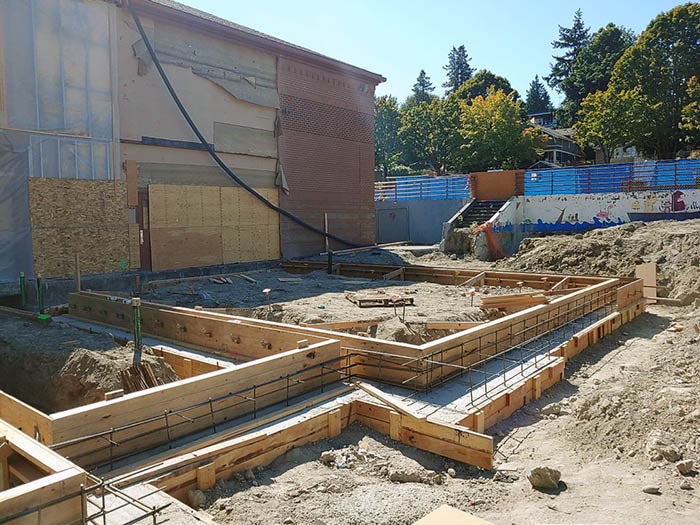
(513, 300)
(474, 281)
(289, 279)
(369, 298)
(247, 278)
(139, 377)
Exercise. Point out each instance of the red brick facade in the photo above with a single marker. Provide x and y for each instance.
(327, 152)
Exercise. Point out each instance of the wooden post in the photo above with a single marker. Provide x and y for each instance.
(394, 425)
(206, 476)
(187, 367)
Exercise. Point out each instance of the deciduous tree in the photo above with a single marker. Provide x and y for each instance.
(662, 65)
(495, 133)
(478, 85)
(387, 146)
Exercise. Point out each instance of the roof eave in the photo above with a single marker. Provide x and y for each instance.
(147, 8)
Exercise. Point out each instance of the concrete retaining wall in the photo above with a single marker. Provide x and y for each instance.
(417, 221)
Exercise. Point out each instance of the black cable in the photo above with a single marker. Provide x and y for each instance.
(210, 148)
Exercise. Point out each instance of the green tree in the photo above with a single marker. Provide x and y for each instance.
(661, 65)
(572, 39)
(458, 68)
(479, 84)
(537, 98)
(423, 88)
(387, 146)
(690, 114)
(429, 133)
(610, 119)
(592, 68)
(495, 133)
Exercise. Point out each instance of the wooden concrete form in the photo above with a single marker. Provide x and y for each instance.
(50, 486)
(104, 431)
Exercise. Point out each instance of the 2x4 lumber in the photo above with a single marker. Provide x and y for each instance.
(399, 272)
(206, 476)
(474, 281)
(341, 325)
(561, 284)
(387, 400)
(452, 325)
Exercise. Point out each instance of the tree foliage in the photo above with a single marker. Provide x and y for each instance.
(690, 115)
(572, 40)
(537, 98)
(479, 84)
(611, 119)
(423, 88)
(592, 68)
(662, 65)
(458, 68)
(495, 133)
(387, 147)
(429, 133)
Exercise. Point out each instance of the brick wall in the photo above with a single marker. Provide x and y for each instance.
(327, 151)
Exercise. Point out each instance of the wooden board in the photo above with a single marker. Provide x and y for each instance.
(647, 273)
(132, 183)
(369, 298)
(204, 225)
(84, 216)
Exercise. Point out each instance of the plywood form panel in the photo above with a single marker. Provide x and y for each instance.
(202, 225)
(84, 216)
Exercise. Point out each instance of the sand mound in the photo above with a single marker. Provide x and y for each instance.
(673, 246)
(88, 374)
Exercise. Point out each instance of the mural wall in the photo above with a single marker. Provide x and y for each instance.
(537, 214)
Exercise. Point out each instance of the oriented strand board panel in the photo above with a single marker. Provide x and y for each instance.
(205, 225)
(134, 246)
(85, 216)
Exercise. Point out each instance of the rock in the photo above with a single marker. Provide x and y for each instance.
(401, 476)
(328, 458)
(288, 521)
(238, 476)
(686, 485)
(505, 476)
(249, 475)
(685, 467)
(662, 445)
(544, 478)
(196, 498)
(651, 489)
(551, 410)
(451, 472)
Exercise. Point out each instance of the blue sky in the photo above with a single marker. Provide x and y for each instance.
(399, 38)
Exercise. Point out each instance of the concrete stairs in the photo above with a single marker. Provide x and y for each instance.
(480, 212)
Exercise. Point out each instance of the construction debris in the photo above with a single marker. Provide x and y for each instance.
(369, 298)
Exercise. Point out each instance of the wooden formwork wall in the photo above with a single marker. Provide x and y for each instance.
(87, 217)
(208, 225)
(260, 383)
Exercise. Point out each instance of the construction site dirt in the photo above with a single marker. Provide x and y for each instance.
(627, 410)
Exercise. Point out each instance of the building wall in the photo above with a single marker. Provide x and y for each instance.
(327, 152)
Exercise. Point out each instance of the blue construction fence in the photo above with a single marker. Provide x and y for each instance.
(612, 178)
(422, 188)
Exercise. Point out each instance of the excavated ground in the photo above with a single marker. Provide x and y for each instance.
(58, 367)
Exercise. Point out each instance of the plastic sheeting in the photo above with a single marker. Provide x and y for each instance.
(15, 226)
(56, 114)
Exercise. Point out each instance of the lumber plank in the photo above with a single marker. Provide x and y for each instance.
(399, 272)
(452, 325)
(388, 401)
(474, 281)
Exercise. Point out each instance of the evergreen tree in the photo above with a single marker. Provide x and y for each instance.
(537, 98)
(458, 68)
(572, 39)
(423, 88)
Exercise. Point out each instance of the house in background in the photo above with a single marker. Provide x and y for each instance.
(561, 148)
(96, 161)
(544, 118)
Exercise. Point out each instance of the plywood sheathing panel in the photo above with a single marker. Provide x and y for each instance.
(230, 138)
(84, 216)
(200, 226)
(134, 246)
(188, 174)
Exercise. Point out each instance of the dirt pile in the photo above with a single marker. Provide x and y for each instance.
(87, 374)
(651, 407)
(673, 246)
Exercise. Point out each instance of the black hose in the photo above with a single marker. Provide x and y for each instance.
(210, 148)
